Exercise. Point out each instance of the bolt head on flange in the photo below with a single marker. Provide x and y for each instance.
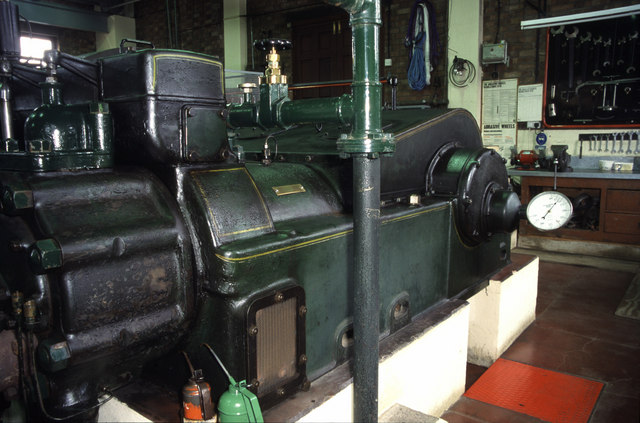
(45, 255)
(380, 143)
(14, 199)
(54, 355)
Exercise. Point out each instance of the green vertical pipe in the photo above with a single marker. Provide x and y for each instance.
(366, 90)
(366, 218)
(364, 143)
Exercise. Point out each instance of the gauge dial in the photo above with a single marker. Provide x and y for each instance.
(549, 210)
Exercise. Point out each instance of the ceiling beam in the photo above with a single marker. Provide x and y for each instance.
(578, 18)
(62, 16)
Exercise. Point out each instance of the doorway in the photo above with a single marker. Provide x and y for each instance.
(322, 53)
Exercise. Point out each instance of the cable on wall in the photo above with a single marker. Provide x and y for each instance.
(462, 72)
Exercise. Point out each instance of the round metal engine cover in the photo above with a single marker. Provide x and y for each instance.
(478, 181)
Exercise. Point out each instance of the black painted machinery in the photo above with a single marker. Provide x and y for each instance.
(143, 216)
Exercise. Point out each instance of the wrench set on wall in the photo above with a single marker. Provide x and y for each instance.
(593, 73)
(614, 143)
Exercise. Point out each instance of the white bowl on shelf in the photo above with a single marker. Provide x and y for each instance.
(605, 164)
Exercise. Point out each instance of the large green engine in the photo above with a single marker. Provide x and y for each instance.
(142, 216)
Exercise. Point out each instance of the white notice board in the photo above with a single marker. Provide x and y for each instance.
(499, 115)
(530, 103)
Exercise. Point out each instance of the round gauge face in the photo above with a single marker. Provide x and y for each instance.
(549, 210)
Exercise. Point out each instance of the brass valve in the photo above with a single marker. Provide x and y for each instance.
(273, 72)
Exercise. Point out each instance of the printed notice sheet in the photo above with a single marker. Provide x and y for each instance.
(499, 114)
(530, 103)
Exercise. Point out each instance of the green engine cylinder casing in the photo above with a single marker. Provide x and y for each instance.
(107, 259)
(254, 242)
(168, 106)
(182, 243)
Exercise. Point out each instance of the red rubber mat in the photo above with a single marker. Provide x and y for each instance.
(551, 396)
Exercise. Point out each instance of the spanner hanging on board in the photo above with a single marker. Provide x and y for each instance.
(606, 59)
(597, 52)
(571, 44)
(633, 42)
(585, 47)
(558, 41)
(620, 53)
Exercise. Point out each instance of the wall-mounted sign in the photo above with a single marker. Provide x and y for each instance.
(499, 114)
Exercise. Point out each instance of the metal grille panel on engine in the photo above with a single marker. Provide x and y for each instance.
(276, 344)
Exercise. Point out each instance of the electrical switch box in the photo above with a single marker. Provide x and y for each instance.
(495, 53)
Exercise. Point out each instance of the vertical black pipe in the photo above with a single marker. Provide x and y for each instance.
(366, 185)
(169, 31)
(364, 145)
(365, 26)
(6, 118)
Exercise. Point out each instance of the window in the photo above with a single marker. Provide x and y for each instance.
(32, 49)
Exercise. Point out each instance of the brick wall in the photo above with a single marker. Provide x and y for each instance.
(396, 27)
(269, 19)
(200, 25)
(200, 28)
(76, 42)
(272, 19)
(521, 44)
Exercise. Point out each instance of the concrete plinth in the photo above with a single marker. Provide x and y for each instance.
(116, 411)
(503, 310)
(422, 368)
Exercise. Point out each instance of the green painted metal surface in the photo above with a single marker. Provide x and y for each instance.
(181, 246)
(366, 133)
(313, 246)
(238, 404)
(317, 189)
(204, 133)
(321, 140)
(59, 136)
(316, 253)
(251, 217)
(167, 106)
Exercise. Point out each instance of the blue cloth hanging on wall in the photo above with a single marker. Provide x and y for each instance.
(424, 44)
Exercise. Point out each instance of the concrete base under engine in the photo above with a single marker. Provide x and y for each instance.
(503, 310)
(423, 365)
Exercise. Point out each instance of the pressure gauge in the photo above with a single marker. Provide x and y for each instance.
(549, 210)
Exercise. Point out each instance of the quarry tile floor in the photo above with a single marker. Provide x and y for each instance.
(577, 333)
